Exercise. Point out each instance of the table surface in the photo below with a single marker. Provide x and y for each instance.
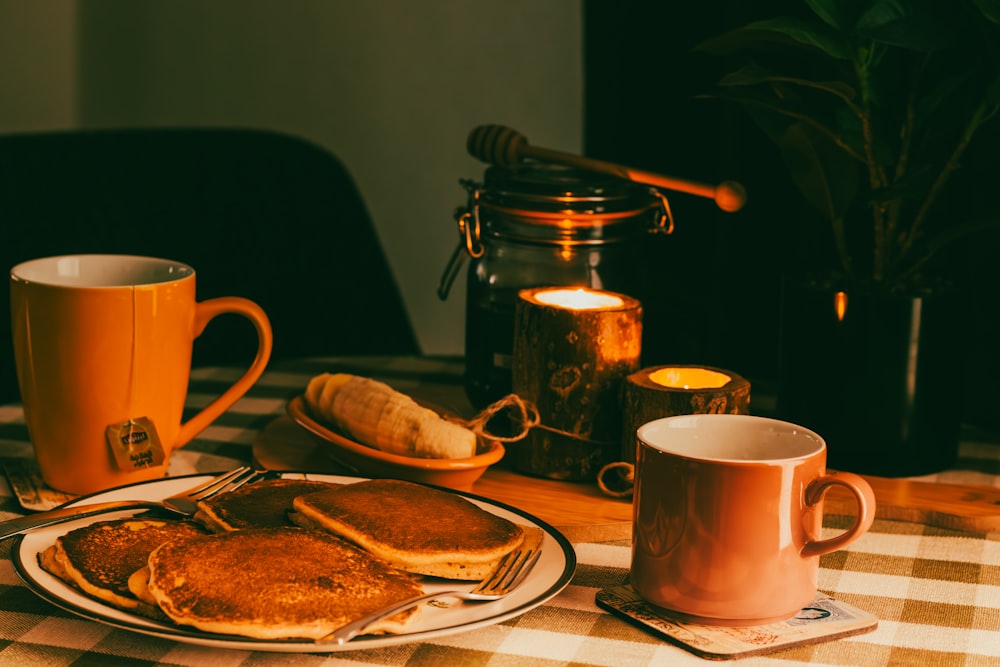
(935, 591)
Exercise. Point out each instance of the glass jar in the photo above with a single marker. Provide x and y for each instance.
(537, 225)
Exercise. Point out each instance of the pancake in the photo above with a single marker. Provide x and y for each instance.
(138, 585)
(275, 583)
(414, 528)
(258, 505)
(99, 558)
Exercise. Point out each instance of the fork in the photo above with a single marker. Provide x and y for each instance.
(183, 504)
(509, 573)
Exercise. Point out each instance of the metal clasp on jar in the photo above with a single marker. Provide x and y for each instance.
(666, 222)
(469, 240)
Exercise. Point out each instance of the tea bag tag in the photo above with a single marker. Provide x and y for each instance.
(135, 444)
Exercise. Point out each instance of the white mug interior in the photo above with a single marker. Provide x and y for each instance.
(100, 271)
(731, 438)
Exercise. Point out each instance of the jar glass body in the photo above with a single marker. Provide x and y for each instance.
(587, 235)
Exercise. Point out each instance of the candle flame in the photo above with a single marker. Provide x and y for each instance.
(840, 305)
(578, 299)
(689, 378)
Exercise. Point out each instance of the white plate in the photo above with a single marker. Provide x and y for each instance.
(550, 575)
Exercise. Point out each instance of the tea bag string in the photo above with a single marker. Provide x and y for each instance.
(133, 399)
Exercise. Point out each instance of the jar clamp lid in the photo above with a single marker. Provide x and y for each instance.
(539, 203)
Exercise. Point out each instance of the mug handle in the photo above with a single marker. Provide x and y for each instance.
(865, 498)
(205, 311)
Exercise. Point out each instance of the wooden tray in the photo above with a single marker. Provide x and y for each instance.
(579, 511)
(584, 514)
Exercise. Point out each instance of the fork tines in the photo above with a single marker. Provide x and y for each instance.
(233, 479)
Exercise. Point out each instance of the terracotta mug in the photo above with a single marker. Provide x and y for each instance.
(103, 346)
(728, 511)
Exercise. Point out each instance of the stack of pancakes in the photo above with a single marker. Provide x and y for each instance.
(286, 558)
(100, 558)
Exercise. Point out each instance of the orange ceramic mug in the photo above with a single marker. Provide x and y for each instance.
(103, 349)
(728, 511)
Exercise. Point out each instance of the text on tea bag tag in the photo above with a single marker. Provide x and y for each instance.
(135, 444)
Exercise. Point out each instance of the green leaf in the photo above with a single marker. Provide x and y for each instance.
(753, 74)
(989, 9)
(916, 25)
(786, 30)
(942, 96)
(839, 14)
(825, 176)
(834, 121)
(816, 36)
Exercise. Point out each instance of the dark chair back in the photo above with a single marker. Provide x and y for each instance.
(258, 214)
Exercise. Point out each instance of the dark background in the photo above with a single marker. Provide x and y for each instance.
(721, 272)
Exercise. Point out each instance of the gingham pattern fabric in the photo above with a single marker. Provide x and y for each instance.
(936, 592)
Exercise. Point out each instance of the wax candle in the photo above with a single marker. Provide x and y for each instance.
(665, 391)
(688, 377)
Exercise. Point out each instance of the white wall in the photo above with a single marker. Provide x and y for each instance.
(391, 86)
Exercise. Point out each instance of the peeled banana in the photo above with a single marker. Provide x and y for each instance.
(377, 415)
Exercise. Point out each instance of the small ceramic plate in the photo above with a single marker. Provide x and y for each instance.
(370, 462)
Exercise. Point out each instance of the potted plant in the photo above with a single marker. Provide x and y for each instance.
(874, 106)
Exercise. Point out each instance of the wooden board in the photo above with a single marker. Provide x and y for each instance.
(965, 507)
(584, 514)
(580, 511)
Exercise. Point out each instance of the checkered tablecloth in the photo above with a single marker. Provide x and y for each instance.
(936, 593)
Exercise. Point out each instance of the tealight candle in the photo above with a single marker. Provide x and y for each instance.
(572, 350)
(665, 391)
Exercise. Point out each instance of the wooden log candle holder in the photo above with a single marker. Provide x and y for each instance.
(665, 391)
(573, 348)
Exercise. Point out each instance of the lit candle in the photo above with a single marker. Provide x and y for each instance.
(688, 377)
(665, 391)
(840, 305)
(578, 299)
(572, 350)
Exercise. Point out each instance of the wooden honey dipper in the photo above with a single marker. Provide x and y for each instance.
(503, 146)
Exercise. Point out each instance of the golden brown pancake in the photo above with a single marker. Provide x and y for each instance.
(412, 527)
(138, 585)
(258, 505)
(99, 558)
(273, 583)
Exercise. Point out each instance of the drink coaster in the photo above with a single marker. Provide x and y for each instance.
(824, 619)
(32, 493)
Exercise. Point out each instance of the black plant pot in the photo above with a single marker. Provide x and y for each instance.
(882, 383)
